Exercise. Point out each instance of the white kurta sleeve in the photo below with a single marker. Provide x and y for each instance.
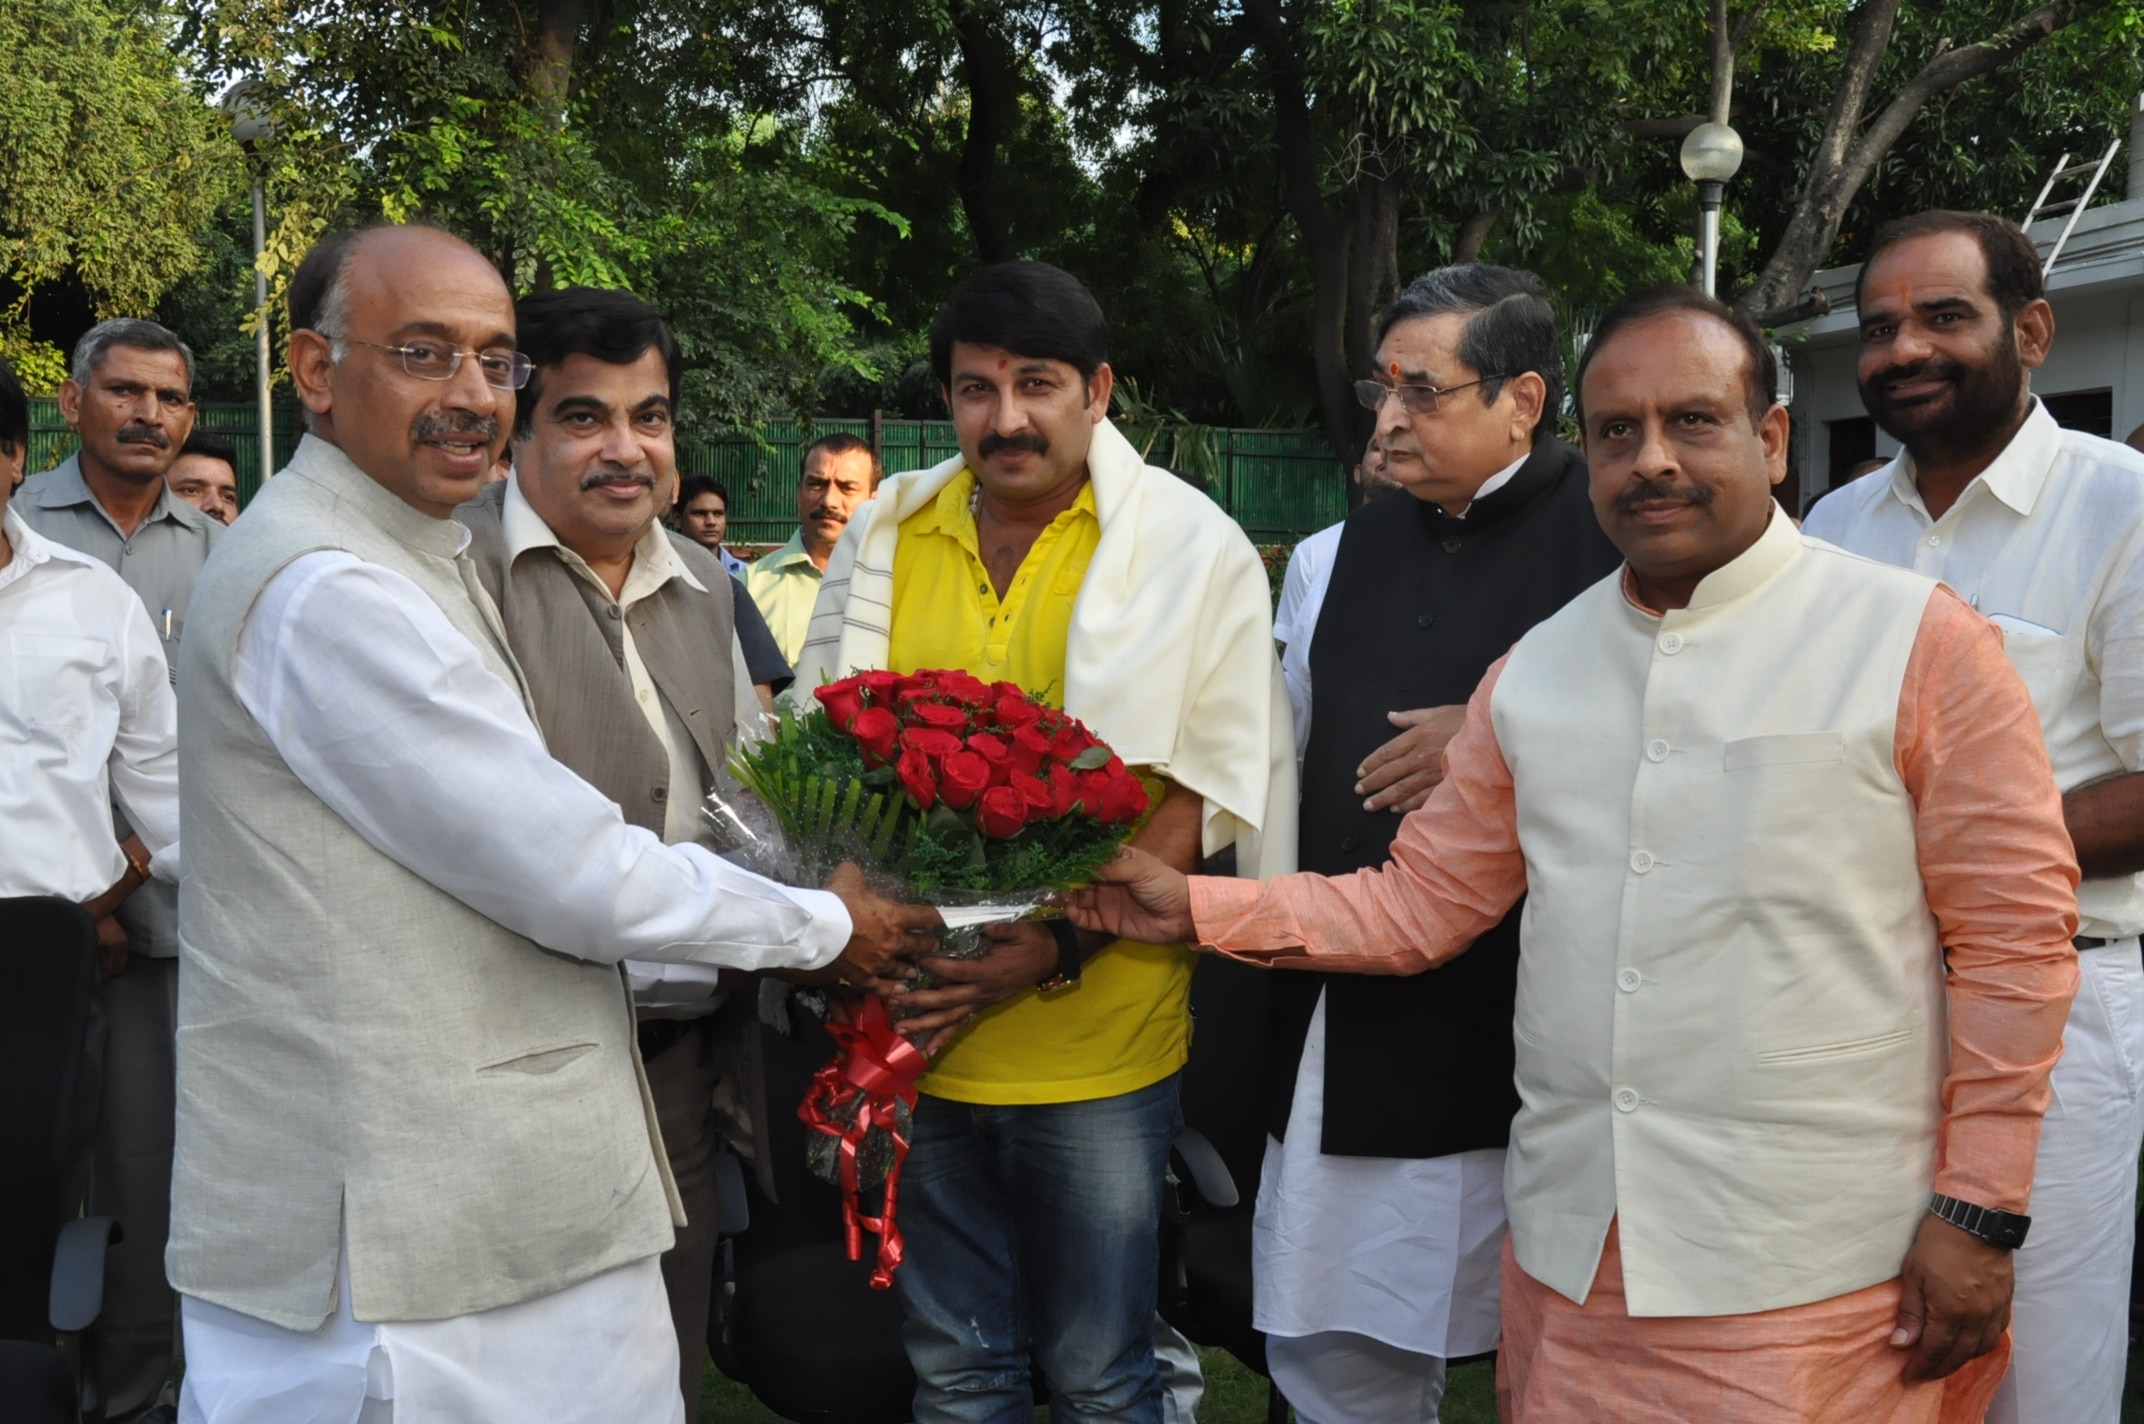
(144, 764)
(388, 714)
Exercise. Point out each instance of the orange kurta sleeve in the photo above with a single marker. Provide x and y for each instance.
(2001, 878)
(1455, 870)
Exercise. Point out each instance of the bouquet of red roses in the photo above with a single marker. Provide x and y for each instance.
(941, 788)
(944, 783)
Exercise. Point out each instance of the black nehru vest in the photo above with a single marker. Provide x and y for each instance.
(1418, 607)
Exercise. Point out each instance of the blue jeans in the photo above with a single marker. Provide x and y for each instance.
(1035, 1228)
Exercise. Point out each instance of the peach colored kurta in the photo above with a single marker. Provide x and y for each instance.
(2002, 890)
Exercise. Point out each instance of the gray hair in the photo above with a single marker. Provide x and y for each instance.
(319, 297)
(131, 332)
(1511, 328)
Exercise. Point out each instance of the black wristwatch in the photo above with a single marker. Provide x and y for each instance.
(2004, 1230)
(1068, 956)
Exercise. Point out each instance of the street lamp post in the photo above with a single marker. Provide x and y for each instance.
(1710, 156)
(246, 103)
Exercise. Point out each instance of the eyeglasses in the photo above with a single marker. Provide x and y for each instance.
(1415, 400)
(434, 361)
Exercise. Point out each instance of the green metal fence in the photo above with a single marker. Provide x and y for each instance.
(1278, 484)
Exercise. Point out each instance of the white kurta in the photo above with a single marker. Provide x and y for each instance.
(1295, 618)
(1402, 1250)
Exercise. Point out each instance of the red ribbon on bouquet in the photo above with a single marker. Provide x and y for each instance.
(877, 1068)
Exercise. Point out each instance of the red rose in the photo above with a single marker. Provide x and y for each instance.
(875, 731)
(1030, 749)
(1114, 800)
(1036, 793)
(1064, 790)
(996, 751)
(881, 686)
(1093, 792)
(963, 687)
(1017, 712)
(1126, 799)
(937, 714)
(1069, 740)
(1000, 812)
(842, 700)
(1001, 689)
(930, 741)
(914, 769)
(962, 777)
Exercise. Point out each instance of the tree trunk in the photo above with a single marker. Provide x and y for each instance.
(1844, 161)
(1347, 425)
(547, 72)
(1466, 247)
(988, 69)
(1373, 273)
(1723, 65)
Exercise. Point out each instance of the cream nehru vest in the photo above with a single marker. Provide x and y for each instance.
(362, 1057)
(1730, 1023)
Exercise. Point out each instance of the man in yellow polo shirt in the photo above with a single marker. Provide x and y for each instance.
(1050, 555)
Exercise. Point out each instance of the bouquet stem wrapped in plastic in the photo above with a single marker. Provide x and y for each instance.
(943, 790)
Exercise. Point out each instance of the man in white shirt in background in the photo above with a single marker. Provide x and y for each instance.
(129, 398)
(418, 1169)
(86, 710)
(79, 654)
(2042, 530)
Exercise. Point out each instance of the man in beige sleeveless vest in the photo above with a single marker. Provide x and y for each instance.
(1795, 954)
(624, 633)
(418, 1171)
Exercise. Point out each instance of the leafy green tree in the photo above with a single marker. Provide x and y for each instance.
(574, 144)
(111, 167)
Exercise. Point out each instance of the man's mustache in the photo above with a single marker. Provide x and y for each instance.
(135, 433)
(1628, 501)
(612, 475)
(822, 512)
(1032, 441)
(431, 427)
(1939, 367)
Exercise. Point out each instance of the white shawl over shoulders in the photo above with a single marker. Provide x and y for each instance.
(1170, 658)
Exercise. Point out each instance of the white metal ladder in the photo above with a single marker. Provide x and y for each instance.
(2075, 207)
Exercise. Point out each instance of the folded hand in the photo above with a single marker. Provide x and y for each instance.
(1399, 775)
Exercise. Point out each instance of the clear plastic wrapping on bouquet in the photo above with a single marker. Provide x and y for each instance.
(741, 828)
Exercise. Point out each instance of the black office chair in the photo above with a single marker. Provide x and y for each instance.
(51, 1256)
(1206, 1281)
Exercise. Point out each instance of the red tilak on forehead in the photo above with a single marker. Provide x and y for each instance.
(1393, 368)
